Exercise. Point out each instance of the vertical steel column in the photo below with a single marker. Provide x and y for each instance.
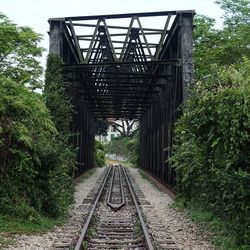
(186, 21)
(55, 38)
(158, 124)
(82, 132)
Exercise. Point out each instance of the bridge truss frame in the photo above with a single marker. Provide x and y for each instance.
(117, 71)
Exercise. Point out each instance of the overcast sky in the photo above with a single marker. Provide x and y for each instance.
(36, 13)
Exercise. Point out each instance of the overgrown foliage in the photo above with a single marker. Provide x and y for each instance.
(19, 52)
(58, 102)
(211, 151)
(212, 154)
(133, 147)
(117, 146)
(126, 147)
(36, 165)
(33, 163)
(222, 46)
(99, 153)
(56, 96)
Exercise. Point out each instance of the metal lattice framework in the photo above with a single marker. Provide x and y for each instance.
(133, 66)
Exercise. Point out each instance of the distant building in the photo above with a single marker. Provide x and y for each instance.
(113, 132)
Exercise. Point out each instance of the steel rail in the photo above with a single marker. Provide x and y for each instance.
(121, 185)
(87, 223)
(113, 206)
(143, 225)
(111, 186)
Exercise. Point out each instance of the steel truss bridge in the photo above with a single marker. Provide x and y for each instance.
(133, 66)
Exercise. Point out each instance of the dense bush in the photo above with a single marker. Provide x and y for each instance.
(133, 148)
(118, 146)
(35, 160)
(99, 153)
(126, 147)
(34, 166)
(211, 153)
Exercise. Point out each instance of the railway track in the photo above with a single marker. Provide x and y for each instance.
(115, 220)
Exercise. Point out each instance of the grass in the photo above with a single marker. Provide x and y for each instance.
(9, 226)
(12, 225)
(145, 176)
(220, 232)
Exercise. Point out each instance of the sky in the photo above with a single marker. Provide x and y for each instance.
(35, 13)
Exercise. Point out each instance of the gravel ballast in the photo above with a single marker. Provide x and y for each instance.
(186, 234)
(76, 213)
(164, 221)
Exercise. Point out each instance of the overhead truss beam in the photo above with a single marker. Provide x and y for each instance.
(117, 63)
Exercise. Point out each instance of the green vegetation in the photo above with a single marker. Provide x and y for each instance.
(18, 54)
(222, 46)
(127, 147)
(219, 229)
(31, 158)
(133, 147)
(5, 241)
(117, 146)
(99, 153)
(36, 163)
(211, 152)
(10, 225)
(56, 96)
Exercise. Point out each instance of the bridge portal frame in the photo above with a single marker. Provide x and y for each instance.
(169, 72)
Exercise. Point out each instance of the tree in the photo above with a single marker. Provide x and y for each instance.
(19, 53)
(205, 43)
(222, 47)
(211, 145)
(237, 12)
(236, 33)
(36, 165)
(123, 126)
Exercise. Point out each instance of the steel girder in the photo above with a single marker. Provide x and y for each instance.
(133, 66)
(107, 58)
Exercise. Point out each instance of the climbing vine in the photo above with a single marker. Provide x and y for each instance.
(56, 96)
